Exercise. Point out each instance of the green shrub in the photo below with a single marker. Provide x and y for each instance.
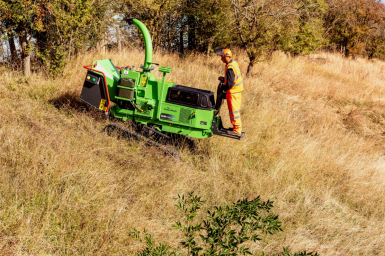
(223, 232)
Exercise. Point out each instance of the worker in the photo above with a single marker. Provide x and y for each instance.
(232, 84)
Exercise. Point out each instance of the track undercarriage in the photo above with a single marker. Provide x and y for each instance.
(166, 142)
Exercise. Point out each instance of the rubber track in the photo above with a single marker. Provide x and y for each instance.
(128, 133)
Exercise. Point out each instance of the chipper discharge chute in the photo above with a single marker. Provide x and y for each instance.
(157, 107)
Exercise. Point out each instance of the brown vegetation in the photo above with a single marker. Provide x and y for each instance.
(314, 145)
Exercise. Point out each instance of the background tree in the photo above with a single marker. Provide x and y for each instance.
(303, 32)
(70, 27)
(265, 26)
(162, 19)
(195, 25)
(20, 18)
(350, 23)
(375, 41)
(213, 24)
(55, 31)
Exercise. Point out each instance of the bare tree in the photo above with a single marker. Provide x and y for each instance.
(258, 24)
(15, 61)
(263, 25)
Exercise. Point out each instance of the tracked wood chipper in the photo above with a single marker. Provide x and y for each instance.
(158, 108)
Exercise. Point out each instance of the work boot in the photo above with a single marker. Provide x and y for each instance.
(234, 133)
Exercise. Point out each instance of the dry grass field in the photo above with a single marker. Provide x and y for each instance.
(314, 145)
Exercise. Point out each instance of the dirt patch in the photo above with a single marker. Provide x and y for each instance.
(369, 123)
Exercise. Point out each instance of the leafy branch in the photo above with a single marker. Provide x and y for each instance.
(224, 230)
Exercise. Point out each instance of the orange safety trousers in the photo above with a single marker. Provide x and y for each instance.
(234, 105)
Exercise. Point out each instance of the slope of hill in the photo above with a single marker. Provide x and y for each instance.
(314, 145)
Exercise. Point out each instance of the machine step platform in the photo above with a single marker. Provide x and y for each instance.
(221, 131)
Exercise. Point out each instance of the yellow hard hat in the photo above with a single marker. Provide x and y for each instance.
(223, 52)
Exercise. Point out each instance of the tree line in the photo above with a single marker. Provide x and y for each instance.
(51, 32)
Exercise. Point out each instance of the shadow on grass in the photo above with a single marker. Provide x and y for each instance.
(71, 103)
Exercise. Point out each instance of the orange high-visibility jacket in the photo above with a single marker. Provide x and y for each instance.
(238, 80)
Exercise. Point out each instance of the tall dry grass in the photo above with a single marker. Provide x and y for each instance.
(314, 144)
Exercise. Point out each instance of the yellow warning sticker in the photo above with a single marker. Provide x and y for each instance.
(144, 80)
(102, 105)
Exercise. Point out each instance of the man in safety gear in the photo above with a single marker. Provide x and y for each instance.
(232, 84)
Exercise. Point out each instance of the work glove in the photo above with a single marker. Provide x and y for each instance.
(222, 79)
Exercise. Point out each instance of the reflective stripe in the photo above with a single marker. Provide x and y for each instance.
(235, 117)
(241, 82)
(235, 112)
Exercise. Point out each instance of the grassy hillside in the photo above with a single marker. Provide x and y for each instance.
(314, 145)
